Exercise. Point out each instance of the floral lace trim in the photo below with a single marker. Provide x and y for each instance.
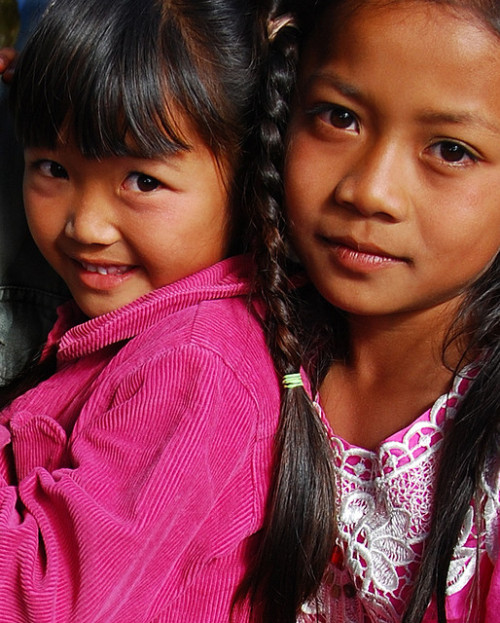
(384, 502)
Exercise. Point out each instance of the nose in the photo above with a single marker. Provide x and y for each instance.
(375, 182)
(91, 218)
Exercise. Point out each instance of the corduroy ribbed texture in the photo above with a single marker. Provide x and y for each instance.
(132, 481)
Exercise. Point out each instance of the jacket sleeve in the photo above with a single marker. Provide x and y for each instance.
(154, 482)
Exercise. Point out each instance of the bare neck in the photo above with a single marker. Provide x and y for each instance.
(394, 373)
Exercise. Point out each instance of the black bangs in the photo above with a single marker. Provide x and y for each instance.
(91, 72)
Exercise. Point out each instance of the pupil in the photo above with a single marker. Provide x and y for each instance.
(56, 170)
(146, 184)
(452, 152)
(341, 118)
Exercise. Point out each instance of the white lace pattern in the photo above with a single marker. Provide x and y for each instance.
(383, 515)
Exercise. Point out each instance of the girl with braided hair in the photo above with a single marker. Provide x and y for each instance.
(385, 502)
(136, 453)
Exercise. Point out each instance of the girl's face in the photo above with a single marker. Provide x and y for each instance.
(393, 171)
(117, 228)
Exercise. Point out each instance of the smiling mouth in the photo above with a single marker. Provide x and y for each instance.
(102, 269)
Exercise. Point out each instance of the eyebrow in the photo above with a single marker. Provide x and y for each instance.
(459, 118)
(173, 160)
(335, 81)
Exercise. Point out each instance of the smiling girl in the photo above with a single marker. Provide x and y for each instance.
(135, 469)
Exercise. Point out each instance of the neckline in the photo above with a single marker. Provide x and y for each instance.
(459, 386)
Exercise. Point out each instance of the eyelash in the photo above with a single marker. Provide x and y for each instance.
(54, 170)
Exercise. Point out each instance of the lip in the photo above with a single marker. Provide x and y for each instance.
(360, 256)
(101, 274)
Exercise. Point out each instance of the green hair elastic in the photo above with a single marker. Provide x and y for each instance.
(292, 380)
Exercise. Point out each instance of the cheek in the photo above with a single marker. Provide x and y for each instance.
(294, 185)
(309, 173)
(299, 161)
(212, 221)
(45, 220)
(33, 207)
(301, 204)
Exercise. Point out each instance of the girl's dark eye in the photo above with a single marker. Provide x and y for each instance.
(337, 116)
(341, 118)
(144, 183)
(452, 152)
(50, 168)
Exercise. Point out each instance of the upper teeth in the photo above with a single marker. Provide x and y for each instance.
(104, 270)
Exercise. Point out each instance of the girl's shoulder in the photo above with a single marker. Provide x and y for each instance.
(204, 322)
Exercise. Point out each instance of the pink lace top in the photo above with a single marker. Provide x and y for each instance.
(383, 507)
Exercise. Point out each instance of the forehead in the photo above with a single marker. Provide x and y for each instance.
(405, 16)
(414, 49)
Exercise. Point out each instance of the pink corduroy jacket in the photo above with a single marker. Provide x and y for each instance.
(132, 481)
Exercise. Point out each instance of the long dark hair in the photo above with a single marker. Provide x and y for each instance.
(117, 74)
(297, 537)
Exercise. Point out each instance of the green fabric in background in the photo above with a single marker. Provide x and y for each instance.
(9, 23)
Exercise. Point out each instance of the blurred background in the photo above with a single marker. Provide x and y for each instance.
(29, 289)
